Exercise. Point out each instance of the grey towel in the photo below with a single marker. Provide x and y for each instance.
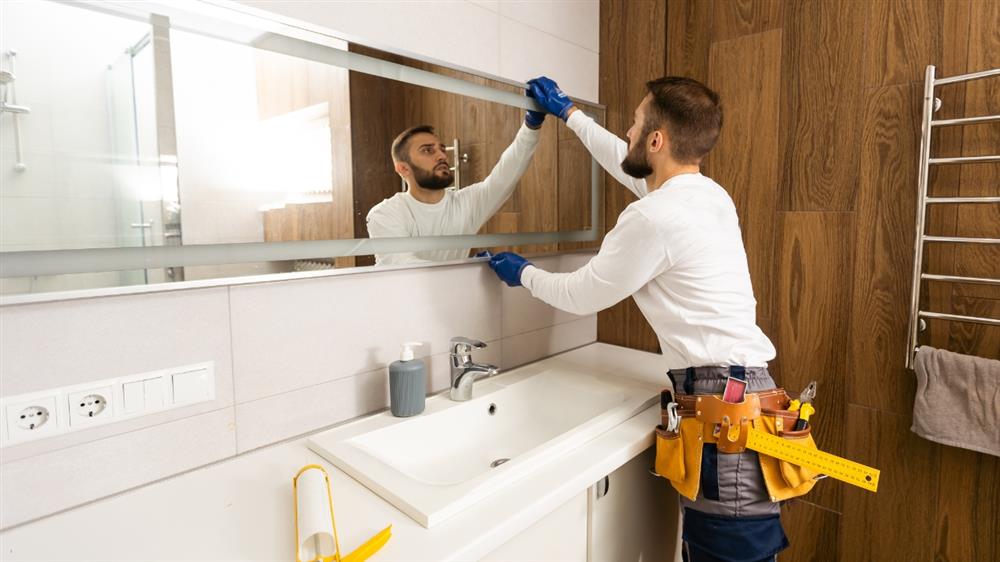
(958, 400)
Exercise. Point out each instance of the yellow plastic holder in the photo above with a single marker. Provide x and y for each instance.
(363, 552)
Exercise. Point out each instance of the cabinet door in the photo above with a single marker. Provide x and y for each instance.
(559, 536)
(636, 519)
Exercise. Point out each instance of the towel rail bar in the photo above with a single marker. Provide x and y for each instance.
(965, 120)
(965, 159)
(959, 240)
(927, 124)
(960, 318)
(933, 200)
(966, 77)
(957, 279)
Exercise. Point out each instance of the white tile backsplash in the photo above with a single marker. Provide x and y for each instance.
(291, 357)
(532, 346)
(54, 481)
(286, 415)
(524, 313)
(330, 328)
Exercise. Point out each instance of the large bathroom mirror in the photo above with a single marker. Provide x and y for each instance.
(148, 143)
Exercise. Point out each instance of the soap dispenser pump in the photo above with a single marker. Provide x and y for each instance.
(407, 383)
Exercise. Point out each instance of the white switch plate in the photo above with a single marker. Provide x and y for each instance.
(63, 404)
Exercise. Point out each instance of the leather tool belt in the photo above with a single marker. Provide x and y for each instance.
(706, 418)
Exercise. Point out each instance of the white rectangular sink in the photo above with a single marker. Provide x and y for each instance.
(436, 464)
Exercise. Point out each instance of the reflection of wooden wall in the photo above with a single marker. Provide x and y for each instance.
(553, 194)
(819, 151)
(286, 84)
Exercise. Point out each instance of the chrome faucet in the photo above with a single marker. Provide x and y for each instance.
(463, 371)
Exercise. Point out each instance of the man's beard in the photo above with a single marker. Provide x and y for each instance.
(429, 179)
(636, 162)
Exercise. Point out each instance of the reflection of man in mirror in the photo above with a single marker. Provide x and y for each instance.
(428, 208)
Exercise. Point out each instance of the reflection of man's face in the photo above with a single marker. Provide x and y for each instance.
(429, 162)
(636, 163)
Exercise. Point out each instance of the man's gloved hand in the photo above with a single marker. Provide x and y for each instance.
(534, 119)
(509, 266)
(547, 93)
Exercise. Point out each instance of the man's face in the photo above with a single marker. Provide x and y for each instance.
(429, 162)
(636, 162)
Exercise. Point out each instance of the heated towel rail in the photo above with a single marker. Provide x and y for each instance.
(932, 104)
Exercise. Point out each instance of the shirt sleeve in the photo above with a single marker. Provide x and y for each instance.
(607, 149)
(487, 196)
(631, 255)
(383, 225)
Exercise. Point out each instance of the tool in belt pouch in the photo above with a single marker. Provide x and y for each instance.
(708, 419)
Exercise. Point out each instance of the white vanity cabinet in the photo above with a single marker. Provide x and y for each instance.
(632, 516)
(559, 536)
(636, 519)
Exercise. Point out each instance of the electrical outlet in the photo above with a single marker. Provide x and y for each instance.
(91, 406)
(31, 419)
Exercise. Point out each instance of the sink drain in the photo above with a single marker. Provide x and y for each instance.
(498, 462)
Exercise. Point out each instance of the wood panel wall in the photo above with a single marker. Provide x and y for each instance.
(819, 150)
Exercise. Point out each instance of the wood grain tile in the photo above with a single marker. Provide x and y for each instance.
(822, 105)
(884, 251)
(907, 35)
(689, 37)
(634, 32)
(736, 18)
(744, 161)
(893, 523)
(811, 530)
(813, 335)
(968, 504)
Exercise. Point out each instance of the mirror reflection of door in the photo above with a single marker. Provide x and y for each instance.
(134, 154)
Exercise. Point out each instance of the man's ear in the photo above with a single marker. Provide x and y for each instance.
(401, 168)
(657, 141)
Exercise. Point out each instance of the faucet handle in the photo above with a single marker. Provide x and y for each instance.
(461, 344)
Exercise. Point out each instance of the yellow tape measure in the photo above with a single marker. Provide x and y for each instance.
(833, 466)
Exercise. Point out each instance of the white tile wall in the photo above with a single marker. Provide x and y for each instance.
(54, 481)
(507, 38)
(334, 327)
(575, 21)
(526, 53)
(532, 346)
(291, 357)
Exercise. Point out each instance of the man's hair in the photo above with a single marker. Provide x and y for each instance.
(400, 146)
(691, 113)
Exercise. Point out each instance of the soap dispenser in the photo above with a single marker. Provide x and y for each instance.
(407, 383)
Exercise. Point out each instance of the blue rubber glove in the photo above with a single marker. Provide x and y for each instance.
(547, 93)
(509, 266)
(534, 119)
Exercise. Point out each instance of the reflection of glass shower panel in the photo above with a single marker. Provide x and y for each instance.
(132, 116)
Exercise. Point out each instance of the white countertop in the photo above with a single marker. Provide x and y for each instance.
(241, 508)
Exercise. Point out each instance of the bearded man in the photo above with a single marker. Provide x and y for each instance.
(429, 208)
(679, 253)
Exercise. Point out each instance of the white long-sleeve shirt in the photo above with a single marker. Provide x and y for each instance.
(679, 253)
(462, 211)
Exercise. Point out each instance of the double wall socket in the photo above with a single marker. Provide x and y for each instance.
(42, 414)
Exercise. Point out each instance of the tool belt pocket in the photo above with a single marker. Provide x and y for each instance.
(678, 456)
(783, 479)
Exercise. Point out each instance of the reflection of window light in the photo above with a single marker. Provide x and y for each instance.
(293, 155)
